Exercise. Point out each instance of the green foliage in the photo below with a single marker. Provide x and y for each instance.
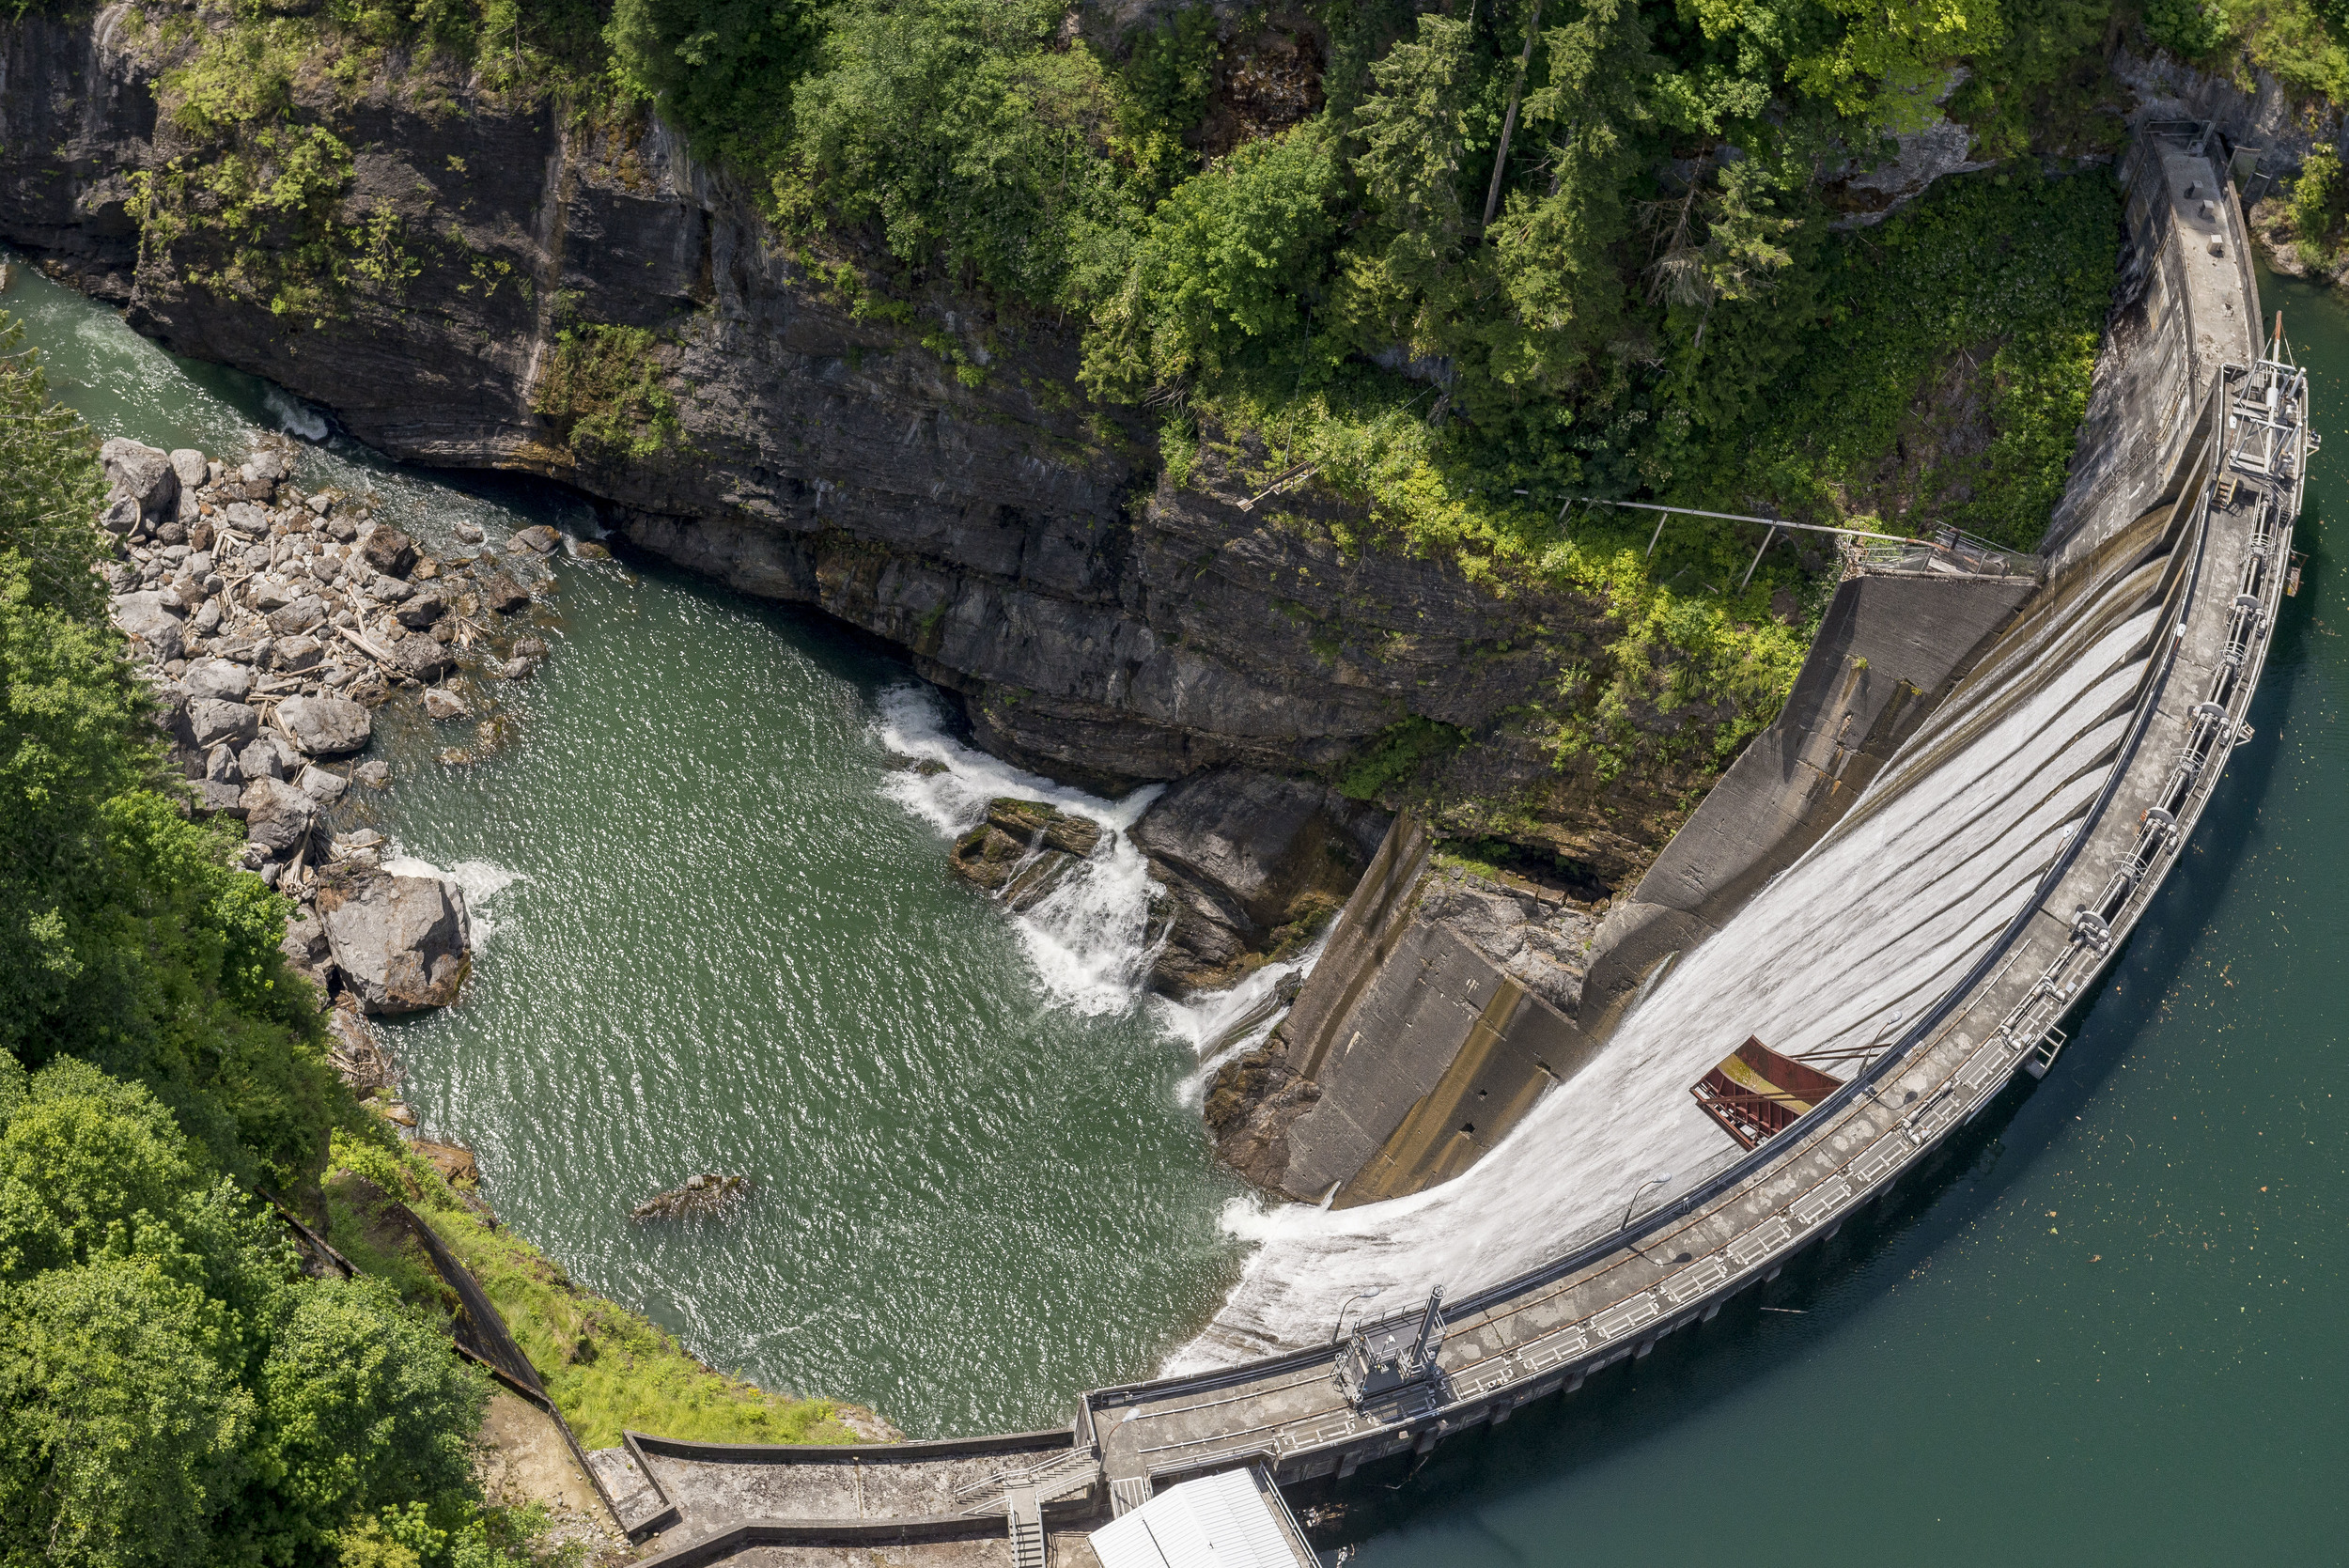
(2191, 27)
(125, 936)
(1395, 757)
(604, 391)
(959, 129)
(172, 1389)
(1215, 278)
(721, 69)
(605, 1367)
(2317, 201)
(2013, 274)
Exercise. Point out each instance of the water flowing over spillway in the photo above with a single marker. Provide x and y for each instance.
(1868, 929)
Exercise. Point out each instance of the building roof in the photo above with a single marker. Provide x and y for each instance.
(1235, 1519)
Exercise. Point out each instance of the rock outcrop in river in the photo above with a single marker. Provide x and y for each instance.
(1102, 621)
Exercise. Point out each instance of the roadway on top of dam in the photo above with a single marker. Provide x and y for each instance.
(2192, 581)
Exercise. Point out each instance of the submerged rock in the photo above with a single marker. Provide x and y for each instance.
(706, 1194)
(402, 943)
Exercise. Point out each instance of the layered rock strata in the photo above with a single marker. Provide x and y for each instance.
(1102, 622)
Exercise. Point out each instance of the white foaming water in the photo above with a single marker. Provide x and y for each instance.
(1089, 940)
(294, 417)
(1879, 919)
(1220, 1025)
(480, 880)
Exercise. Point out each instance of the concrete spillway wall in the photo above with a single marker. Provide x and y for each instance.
(1410, 1054)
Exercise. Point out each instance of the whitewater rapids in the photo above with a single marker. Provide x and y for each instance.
(1875, 924)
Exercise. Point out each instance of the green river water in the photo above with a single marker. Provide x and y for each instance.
(720, 935)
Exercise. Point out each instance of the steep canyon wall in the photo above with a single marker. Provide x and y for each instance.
(932, 475)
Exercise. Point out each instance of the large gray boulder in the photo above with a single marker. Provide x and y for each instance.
(213, 719)
(299, 615)
(1253, 863)
(151, 618)
(423, 658)
(325, 726)
(278, 816)
(189, 464)
(218, 678)
(140, 473)
(401, 943)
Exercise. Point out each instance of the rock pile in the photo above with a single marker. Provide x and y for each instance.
(273, 624)
(704, 1194)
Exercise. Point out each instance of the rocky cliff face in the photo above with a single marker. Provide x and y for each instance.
(932, 475)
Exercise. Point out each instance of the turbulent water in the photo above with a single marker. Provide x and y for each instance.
(716, 932)
(721, 932)
(1875, 924)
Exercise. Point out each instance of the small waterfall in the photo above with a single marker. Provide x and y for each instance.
(1882, 915)
(1090, 941)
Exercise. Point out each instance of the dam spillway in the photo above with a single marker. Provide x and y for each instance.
(1947, 923)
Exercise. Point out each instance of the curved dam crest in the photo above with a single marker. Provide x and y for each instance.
(2046, 712)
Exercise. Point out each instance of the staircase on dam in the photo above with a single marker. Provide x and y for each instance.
(2152, 617)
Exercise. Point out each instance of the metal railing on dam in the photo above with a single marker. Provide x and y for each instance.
(2188, 557)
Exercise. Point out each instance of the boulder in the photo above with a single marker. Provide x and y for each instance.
(188, 463)
(1023, 850)
(140, 473)
(306, 947)
(388, 550)
(400, 941)
(502, 594)
(706, 1194)
(422, 658)
(270, 593)
(278, 816)
(206, 618)
(148, 617)
(215, 797)
(213, 720)
(540, 538)
(218, 678)
(221, 767)
(1254, 863)
(326, 726)
(530, 648)
(261, 759)
(121, 516)
(246, 519)
(442, 704)
(375, 775)
(420, 611)
(296, 653)
(322, 786)
(299, 616)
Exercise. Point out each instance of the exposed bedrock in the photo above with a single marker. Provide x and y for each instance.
(1102, 622)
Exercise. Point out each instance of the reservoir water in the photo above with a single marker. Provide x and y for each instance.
(723, 937)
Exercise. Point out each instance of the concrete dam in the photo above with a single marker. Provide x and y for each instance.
(1894, 899)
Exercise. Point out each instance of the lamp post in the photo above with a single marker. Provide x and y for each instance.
(1657, 1180)
(1358, 1295)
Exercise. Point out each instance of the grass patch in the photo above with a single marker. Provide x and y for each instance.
(605, 1367)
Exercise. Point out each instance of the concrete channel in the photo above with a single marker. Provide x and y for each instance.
(2183, 503)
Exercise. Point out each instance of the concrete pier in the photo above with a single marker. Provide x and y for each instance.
(2185, 535)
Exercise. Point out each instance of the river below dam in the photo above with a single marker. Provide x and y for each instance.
(720, 935)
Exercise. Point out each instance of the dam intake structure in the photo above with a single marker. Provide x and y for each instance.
(1928, 939)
